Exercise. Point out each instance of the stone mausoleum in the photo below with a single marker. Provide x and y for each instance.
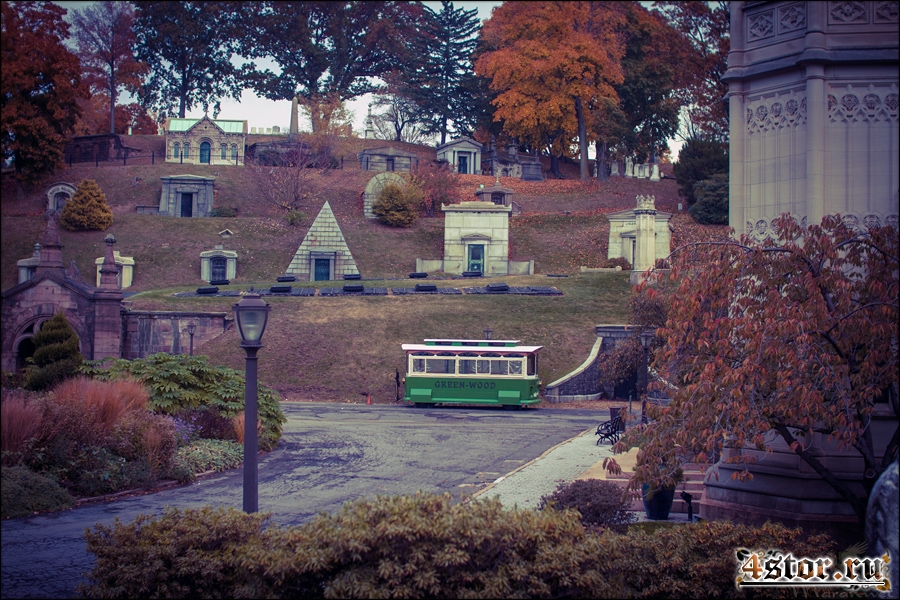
(187, 196)
(476, 240)
(323, 254)
(464, 155)
(640, 235)
(205, 141)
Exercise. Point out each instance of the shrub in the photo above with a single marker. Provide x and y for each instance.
(711, 206)
(178, 382)
(621, 261)
(56, 354)
(87, 209)
(396, 205)
(146, 438)
(223, 211)
(203, 456)
(208, 424)
(295, 217)
(20, 420)
(600, 503)
(24, 492)
(428, 546)
(189, 554)
(439, 183)
(699, 160)
(411, 546)
(697, 560)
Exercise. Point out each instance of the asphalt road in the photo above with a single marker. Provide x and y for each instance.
(329, 454)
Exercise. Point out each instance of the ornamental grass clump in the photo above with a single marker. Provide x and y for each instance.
(20, 420)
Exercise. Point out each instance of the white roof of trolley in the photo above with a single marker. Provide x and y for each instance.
(497, 346)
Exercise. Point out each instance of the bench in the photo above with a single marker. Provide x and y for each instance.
(609, 431)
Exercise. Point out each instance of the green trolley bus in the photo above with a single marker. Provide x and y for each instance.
(445, 371)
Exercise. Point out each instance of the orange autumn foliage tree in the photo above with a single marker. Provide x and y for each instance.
(547, 61)
(777, 341)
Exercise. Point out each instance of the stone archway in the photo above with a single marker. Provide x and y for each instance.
(374, 187)
(24, 350)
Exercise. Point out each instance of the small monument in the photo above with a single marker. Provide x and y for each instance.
(495, 193)
(27, 266)
(218, 265)
(370, 125)
(614, 171)
(124, 269)
(58, 194)
(323, 255)
(629, 168)
(625, 226)
(654, 172)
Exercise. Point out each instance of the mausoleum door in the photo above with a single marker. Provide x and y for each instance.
(322, 269)
(476, 258)
(204, 153)
(187, 205)
(217, 269)
(463, 167)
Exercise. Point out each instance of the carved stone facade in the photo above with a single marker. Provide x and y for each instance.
(463, 154)
(816, 88)
(186, 196)
(323, 254)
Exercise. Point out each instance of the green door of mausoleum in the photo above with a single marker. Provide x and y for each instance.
(322, 270)
(476, 258)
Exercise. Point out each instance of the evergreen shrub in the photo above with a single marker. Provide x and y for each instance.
(223, 211)
(87, 209)
(56, 355)
(397, 205)
(698, 160)
(711, 206)
(24, 492)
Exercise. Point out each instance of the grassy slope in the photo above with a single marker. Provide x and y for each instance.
(339, 348)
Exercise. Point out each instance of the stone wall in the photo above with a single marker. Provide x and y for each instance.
(149, 332)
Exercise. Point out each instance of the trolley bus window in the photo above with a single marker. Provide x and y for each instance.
(532, 364)
(440, 365)
(467, 363)
(515, 367)
(499, 367)
(418, 365)
(484, 366)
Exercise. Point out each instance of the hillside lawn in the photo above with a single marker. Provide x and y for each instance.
(342, 349)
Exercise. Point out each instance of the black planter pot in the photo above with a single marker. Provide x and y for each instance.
(659, 504)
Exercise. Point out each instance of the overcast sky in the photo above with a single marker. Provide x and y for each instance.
(260, 112)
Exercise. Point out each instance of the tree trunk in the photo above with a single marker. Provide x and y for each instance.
(856, 503)
(582, 140)
(554, 166)
(602, 149)
(112, 105)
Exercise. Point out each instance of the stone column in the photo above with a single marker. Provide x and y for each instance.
(645, 233)
(295, 116)
(108, 308)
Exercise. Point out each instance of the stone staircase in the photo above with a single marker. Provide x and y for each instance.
(692, 483)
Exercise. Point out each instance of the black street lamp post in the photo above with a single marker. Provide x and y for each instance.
(191, 328)
(488, 332)
(251, 314)
(646, 337)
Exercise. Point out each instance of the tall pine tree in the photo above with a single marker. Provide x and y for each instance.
(443, 82)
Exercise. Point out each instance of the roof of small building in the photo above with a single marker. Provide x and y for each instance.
(226, 126)
(461, 140)
(387, 151)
